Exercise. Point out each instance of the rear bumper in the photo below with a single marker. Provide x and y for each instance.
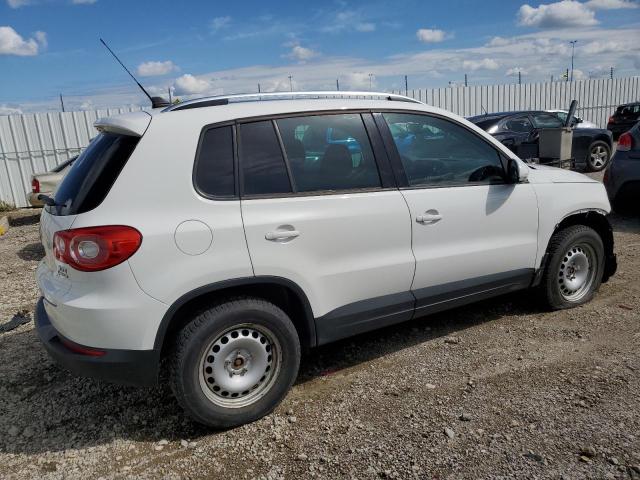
(126, 367)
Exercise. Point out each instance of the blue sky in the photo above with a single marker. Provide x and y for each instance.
(48, 47)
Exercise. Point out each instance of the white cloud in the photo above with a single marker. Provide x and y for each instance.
(152, 69)
(610, 4)
(83, 2)
(366, 27)
(566, 13)
(484, 64)
(610, 46)
(187, 84)
(7, 110)
(18, 3)
(515, 71)
(301, 54)
(219, 23)
(499, 42)
(430, 35)
(12, 43)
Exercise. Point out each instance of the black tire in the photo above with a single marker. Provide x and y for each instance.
(198, 335)
(598, 147)
(552, 287)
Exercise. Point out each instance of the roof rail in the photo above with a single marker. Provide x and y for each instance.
(256, 97)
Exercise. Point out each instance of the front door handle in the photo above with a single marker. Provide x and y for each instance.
(282, 235)
(430, 216)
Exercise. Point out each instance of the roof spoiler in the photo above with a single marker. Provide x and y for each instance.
(132, 124)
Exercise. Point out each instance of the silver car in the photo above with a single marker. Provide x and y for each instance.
(46, 183)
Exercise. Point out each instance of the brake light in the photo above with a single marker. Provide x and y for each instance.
(35, 185)
(625, 142)
(96, 248)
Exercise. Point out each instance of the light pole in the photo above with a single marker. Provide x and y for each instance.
(290, 83)
(370, 76)
(573, 46)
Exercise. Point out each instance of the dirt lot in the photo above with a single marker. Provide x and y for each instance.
(498, 389)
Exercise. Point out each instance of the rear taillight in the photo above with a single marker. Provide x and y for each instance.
(82, 350)
(96, 248)
(35, 185)
(625, 142)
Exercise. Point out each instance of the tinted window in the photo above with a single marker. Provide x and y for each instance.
(262, 163)
(518, 124)
(438, 152)
(214, 165)
(329, 152)
(93, 173)
(546, 120)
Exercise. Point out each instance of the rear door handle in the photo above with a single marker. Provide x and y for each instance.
(282, 235)
(429, 217)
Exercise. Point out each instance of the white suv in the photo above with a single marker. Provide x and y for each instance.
(221, 237)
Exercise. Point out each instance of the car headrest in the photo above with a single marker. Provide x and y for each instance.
(337, 160)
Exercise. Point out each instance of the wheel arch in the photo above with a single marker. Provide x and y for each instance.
(284, 293)
(602, 138)
(593, 218)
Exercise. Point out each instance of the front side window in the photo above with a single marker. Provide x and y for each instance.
(546, 120)
(437, 152)
(262, 163)
(329, 152)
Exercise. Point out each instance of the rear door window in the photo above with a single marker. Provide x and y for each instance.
(93, 174)
(329, 153)
(263, 168)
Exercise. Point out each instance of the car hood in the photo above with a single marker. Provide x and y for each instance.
(546, 174)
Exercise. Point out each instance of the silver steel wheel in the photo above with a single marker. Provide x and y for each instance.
(577, 272)
(240, 366)
(599, 156)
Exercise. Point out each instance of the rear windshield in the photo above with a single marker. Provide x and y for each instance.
(92, 174)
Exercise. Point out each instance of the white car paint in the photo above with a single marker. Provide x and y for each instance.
(350, 247)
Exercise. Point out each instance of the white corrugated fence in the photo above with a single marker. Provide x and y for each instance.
(37, 142)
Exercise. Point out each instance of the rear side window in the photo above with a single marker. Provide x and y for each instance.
(262, 163)
(214, 174)
(329, 153)
(93, 174)
(546, 120)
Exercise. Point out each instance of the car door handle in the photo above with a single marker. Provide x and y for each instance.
(428, 218)
(282, 235)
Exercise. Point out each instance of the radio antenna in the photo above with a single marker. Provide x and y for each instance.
(156, 102)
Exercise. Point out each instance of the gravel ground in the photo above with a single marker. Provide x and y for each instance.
(500, 389)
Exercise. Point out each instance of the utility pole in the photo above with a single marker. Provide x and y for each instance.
(566, 76)
(370, 76)
(406, 86)
(259, 88)
(519, 77)
(573, 46)
(611, 73)
(169, 91)
(337, 85)
(290, 83)
(61, 102)
(551, 78)
(465, 80)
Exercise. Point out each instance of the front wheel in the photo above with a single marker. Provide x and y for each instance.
(574, 267)
(235, 362)
(598, 156)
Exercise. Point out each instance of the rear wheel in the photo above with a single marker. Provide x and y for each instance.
(598, 156)
(574, 268)
(234, 363)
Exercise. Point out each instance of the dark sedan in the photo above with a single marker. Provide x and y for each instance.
(625, 117)
(622, 178)
(591, 147)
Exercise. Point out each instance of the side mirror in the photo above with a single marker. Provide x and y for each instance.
(578, 120)
(516, 172)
